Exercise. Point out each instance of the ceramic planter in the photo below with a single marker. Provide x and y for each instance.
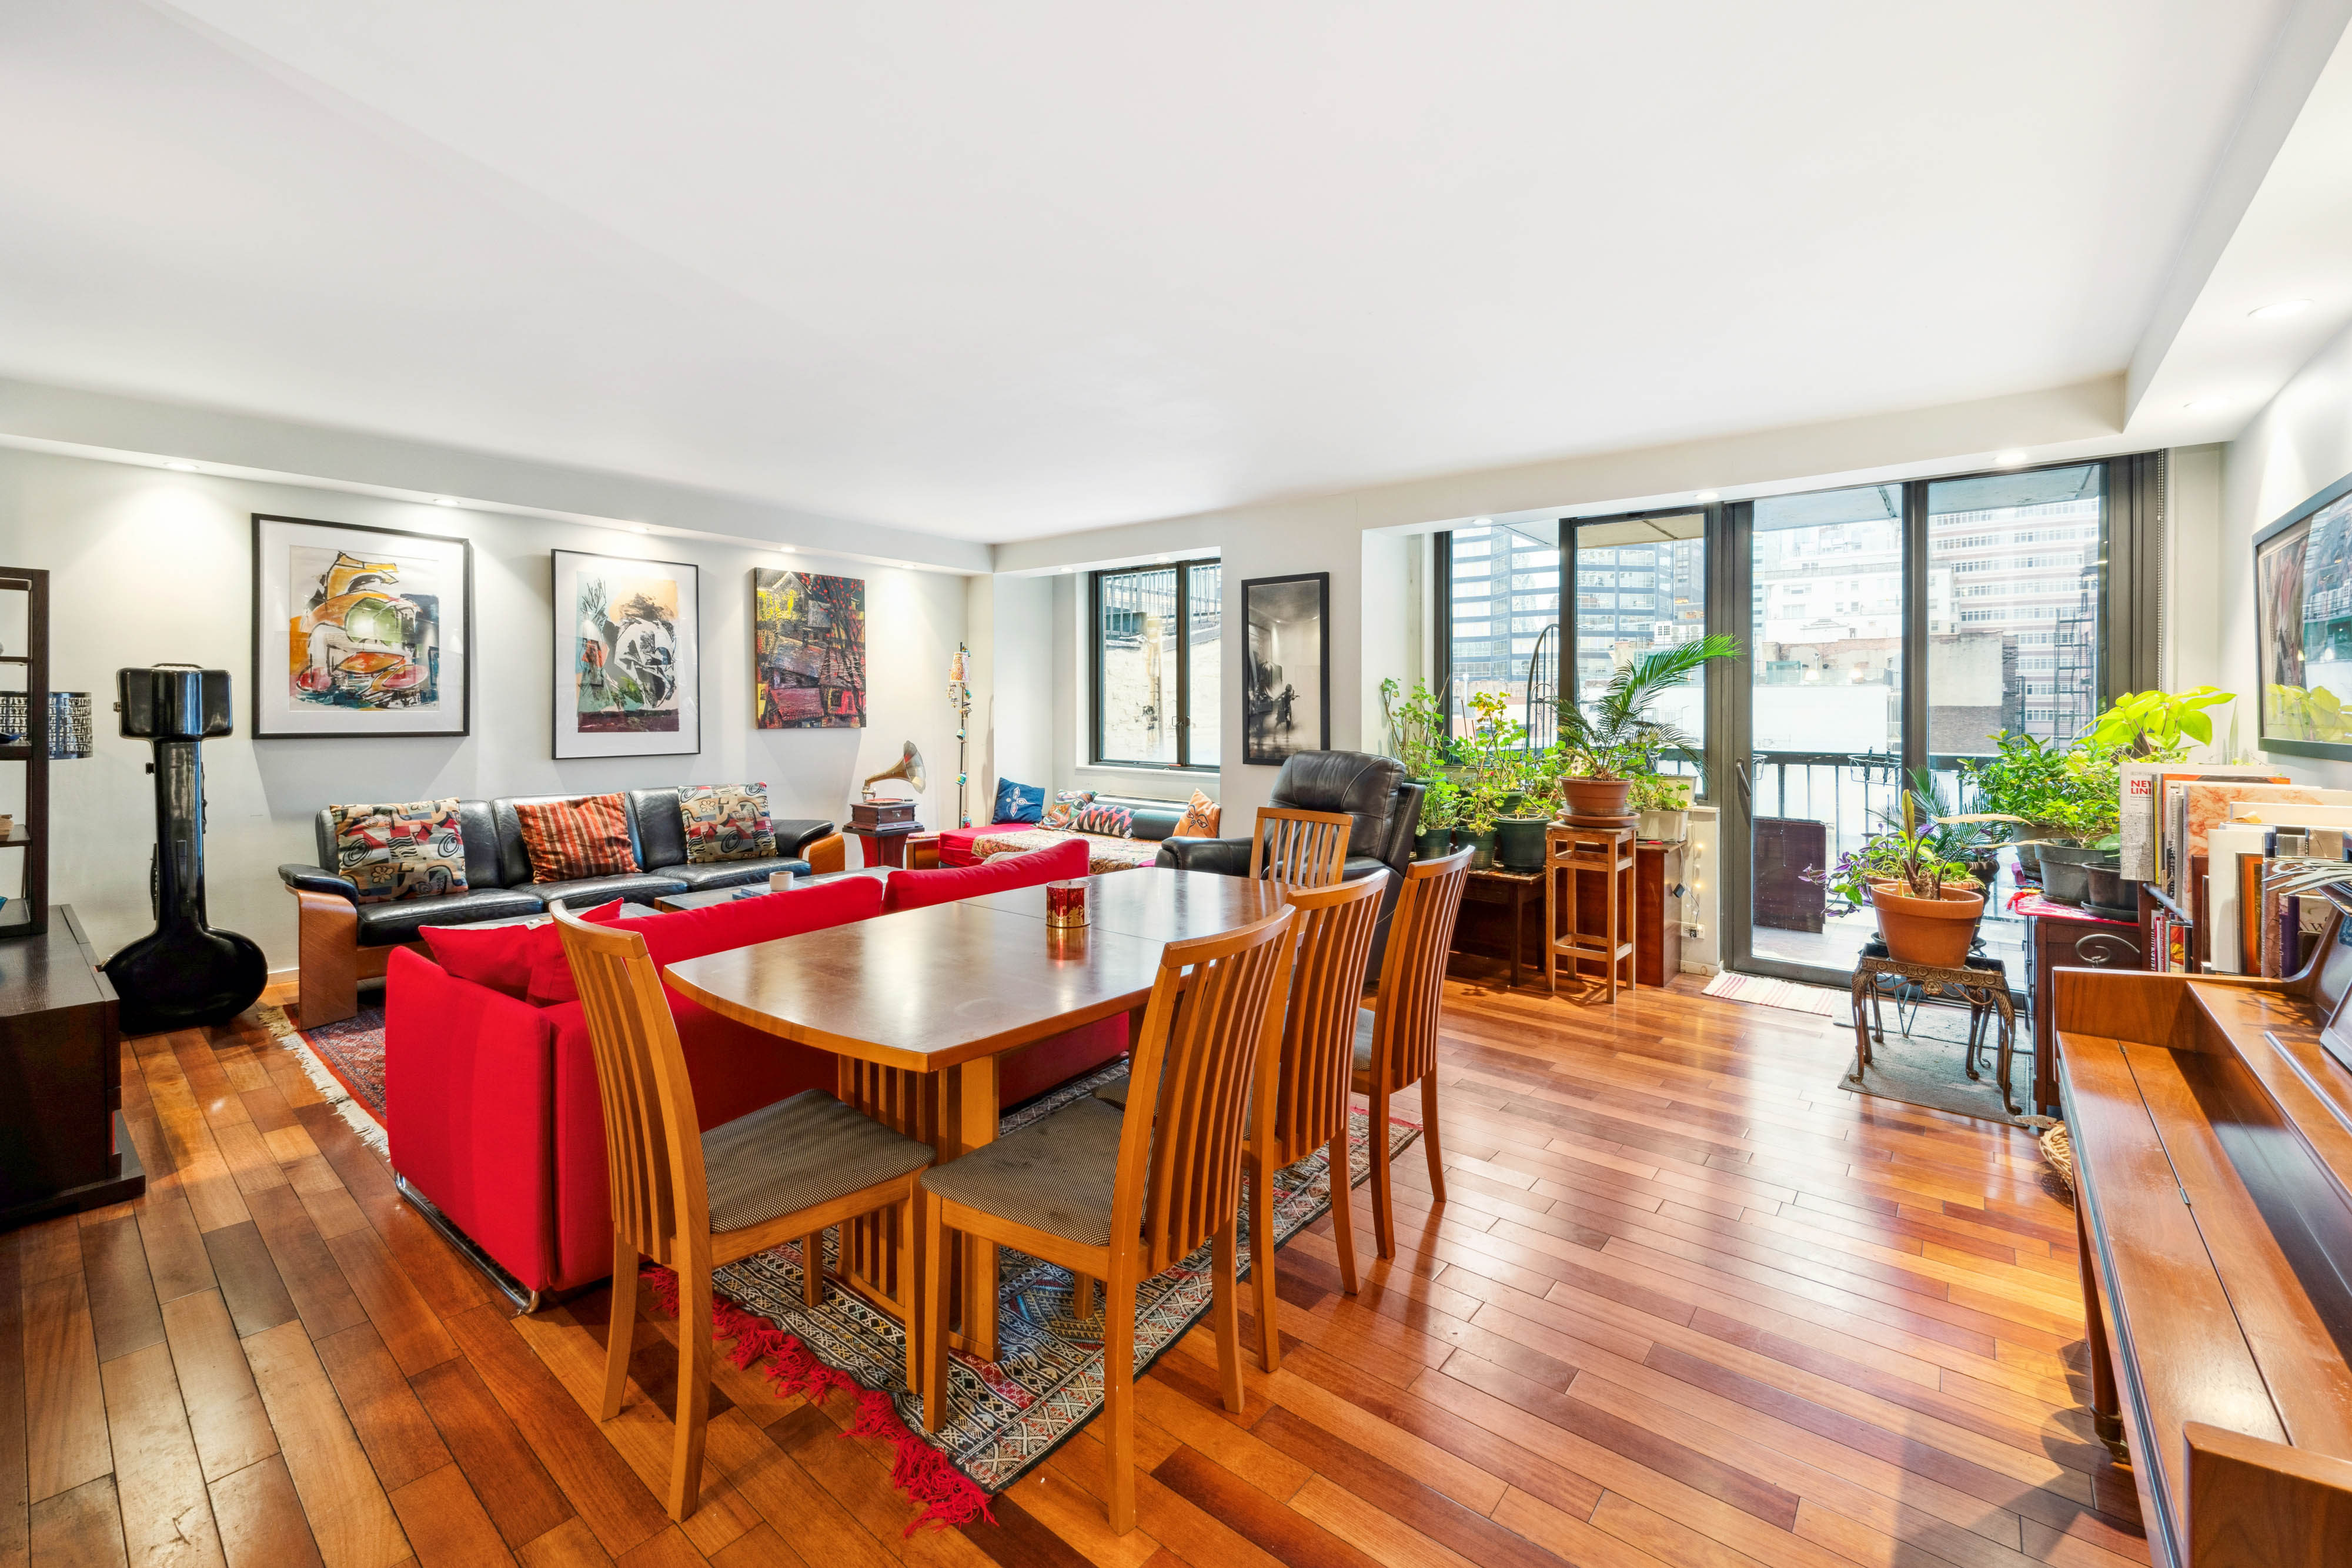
(2066, 873)
(1667, 827)
(1596, 797)
(1480, 845)
(1519, 843)
(1935, 931)
(2109, 889)
(1433, 843)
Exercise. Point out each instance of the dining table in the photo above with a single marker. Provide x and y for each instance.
(919, 1005)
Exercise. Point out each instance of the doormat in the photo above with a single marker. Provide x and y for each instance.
(1763, 992)
(344, 1062)
(1004, 1416)
(1927, 1065)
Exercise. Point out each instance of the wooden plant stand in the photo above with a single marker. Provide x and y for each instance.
(1569, 855)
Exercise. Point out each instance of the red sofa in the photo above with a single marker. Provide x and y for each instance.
(490, 1099)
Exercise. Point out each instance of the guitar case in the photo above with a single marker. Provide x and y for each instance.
(185, 973)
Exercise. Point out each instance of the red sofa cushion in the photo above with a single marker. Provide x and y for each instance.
(921, 889)
(691, 933)
(502, 956)
(955, 844)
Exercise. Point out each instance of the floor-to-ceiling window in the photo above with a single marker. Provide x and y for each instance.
(1640, 588)
(1502, 589)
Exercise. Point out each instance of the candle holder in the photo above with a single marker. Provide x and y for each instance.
(1066, 903)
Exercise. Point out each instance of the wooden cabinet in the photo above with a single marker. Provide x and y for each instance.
(63, 1147)
(2056, 942)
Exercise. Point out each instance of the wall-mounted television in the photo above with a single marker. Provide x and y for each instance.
(2302, 621)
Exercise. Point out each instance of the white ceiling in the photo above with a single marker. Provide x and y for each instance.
(1001, 271)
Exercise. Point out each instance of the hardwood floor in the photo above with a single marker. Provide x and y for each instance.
(1688, 1304)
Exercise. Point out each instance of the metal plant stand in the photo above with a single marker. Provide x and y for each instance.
(1985, 992)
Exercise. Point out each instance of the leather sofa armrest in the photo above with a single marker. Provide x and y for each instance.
(1224, 857)
(827, 855)
(794, 835)
(317, 879)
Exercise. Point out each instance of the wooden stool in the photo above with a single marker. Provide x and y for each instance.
(1609, 853)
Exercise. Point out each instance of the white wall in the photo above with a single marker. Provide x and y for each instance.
(2300, 444)
(2193, 570)
(150, 566)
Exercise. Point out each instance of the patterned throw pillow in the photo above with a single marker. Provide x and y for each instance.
(1017, 802)
(394, 853)
(1111, 821)
(1063, 811)
(726, 822)
(572, 839)
(1200, 817)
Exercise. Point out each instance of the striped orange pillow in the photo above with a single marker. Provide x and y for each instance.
(572, 839)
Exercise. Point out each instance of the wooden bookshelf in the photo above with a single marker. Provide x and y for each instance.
(29, 915)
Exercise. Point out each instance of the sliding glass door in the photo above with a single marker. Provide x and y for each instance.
(1892, 631)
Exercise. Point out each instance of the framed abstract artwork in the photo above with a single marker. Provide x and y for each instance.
(1287, 693)
(808, 651)
(360, 631)
(628, 656)
(2303, 626)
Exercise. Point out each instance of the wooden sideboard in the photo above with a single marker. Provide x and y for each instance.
(63, 1147)
(2212, 1127)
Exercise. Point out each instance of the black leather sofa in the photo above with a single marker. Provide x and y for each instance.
(344, 941)
(1372, 790)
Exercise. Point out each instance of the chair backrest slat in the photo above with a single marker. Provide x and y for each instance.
(652, 1139)
(1216, 1009)
(1413, 971)
(1304, 1085)
(1306, 849)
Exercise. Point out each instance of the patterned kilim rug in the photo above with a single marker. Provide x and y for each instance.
(1047, 1382)
(344, 1062)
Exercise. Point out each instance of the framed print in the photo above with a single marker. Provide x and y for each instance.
(360, 631)
(2303, 626)
(1287, 691)
(628, 656)
(808, 651)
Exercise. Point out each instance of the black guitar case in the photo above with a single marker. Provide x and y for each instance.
(184, 974)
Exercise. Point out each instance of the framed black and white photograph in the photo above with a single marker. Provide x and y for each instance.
(628, 656)
(360, 631)
(1287, 693)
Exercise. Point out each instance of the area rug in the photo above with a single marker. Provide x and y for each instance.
(1763, 992)
(1003, 1416)
(344, 1062)
(1927, 1065)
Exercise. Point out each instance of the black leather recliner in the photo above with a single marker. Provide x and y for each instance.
(1372, 790)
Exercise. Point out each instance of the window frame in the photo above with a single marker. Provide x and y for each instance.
(1094, 684)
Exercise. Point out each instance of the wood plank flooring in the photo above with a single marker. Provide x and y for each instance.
(1688, 1304)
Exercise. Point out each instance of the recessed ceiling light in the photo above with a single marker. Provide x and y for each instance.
(1707, 496)
(1482, 522)
(181, 465)
(2009, 459)
(445, 500)
(2283, 308)
(639, 528)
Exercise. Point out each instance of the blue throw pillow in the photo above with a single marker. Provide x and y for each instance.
(1018, 802)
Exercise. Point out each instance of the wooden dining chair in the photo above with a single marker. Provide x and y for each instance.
(1300, 1102)
(1124, 1195)
(1396, 1037)
(691, 1201)
(1307, 848)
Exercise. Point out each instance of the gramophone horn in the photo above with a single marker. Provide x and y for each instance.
(909, 767)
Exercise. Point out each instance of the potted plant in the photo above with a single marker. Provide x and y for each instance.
(1664, 801)
(1441, 809)
(1496, 762)
(1927, 905)
(1481, 805)
(1604, 751)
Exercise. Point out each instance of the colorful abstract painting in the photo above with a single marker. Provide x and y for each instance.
(627, 675)
(358, 630)
(808, 650)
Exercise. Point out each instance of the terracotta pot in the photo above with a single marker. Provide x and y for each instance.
(1927, 930)
(1596, 797)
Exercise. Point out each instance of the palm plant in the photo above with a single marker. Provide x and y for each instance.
(1620, 740)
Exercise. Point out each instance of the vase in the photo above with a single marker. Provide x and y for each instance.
(1932, 931)
(1519, 843)
(1480, 845)
(1596, 797)
(1433, 843)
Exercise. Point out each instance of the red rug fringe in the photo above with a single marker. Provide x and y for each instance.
(948, 1496)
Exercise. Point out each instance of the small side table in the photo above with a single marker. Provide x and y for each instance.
(1515, 888)
(1569, 853)
(885, 845)
(1984, 990)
